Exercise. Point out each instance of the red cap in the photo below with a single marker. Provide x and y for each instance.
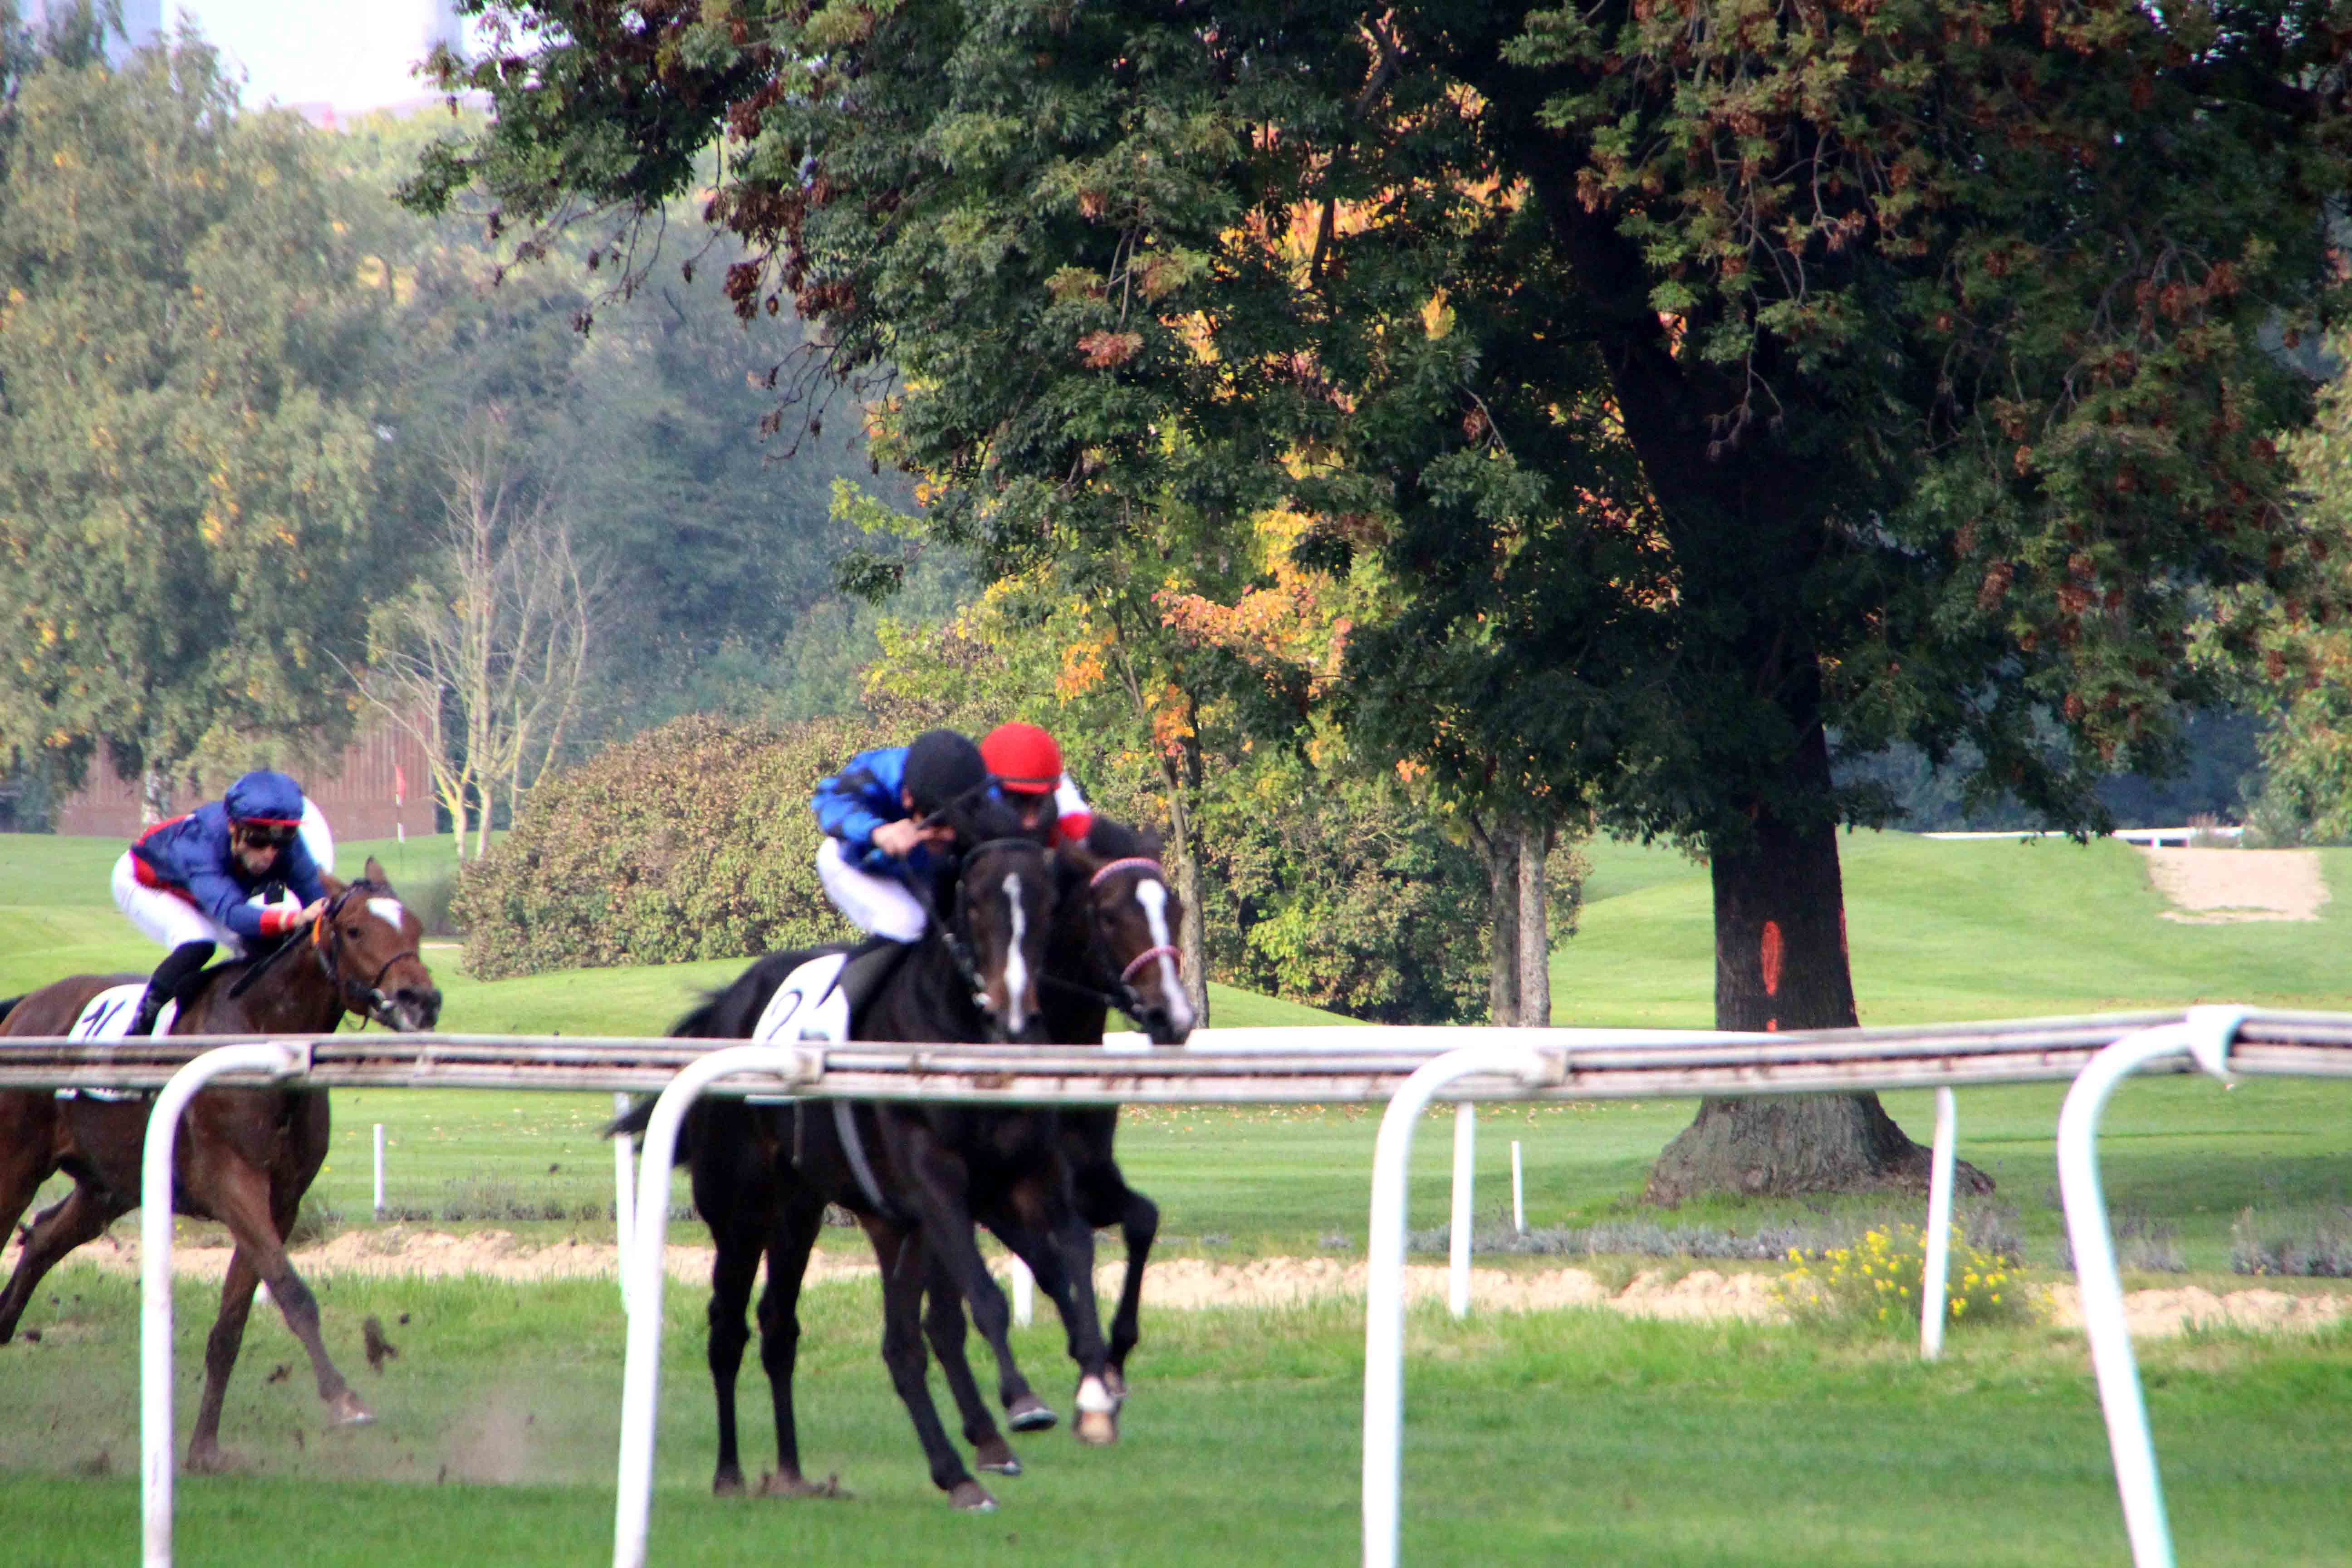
(1024, 758)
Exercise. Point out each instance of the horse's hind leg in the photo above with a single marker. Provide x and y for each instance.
(802, 1217)
(64, 1226)
(943, 1326)
(731, 1272)
(240, 1197)
(898, 1252)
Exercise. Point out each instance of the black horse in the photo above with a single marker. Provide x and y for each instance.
(916, 1177)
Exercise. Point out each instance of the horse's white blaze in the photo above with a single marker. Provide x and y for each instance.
(1016, 967)
(1153, 896)
(1094, 1399)
(388, 910)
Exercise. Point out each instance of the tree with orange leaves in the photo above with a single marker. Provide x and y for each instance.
(1817, 377)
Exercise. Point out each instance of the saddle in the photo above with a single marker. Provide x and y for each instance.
(817, 1001)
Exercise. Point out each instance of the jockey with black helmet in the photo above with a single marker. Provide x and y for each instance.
(888, 820)
(190, 883)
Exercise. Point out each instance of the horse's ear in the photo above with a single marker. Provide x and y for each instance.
(374, 872)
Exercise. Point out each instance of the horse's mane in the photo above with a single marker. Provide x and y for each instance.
(1108, 840)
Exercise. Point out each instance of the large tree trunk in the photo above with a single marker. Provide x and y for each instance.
(1781, 963)
(1500, 851)
(1535, 927)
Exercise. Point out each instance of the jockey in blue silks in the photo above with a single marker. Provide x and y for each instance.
(882, 837)
(190, 883)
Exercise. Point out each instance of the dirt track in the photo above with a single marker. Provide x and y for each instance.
(2214, 887)
(1183, 1283)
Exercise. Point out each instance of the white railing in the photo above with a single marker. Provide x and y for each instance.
(1406, 1069)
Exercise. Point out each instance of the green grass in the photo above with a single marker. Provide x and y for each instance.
(1554, 1436)
(1563, 1436)
(1944, 930)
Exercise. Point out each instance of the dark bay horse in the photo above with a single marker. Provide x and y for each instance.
(1114, 946)
(761, 1181)
(245, 1157)
(914, 1175)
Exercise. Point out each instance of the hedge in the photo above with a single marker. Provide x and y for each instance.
(690, 841)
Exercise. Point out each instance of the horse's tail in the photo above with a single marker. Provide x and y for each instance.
(727, 1014)
(632, 1120)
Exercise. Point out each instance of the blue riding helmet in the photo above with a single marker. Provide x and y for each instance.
(265, 797)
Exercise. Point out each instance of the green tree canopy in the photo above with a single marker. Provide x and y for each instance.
(1709, 377)
(185, 429)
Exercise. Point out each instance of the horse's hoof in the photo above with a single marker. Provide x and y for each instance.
(346, 1410)
(1116, 1381)
(972, 1497)
(774, 1485)
(210, 1461)
(729, 1483)
(997, 1457)
(1030, 1413)
(1098, 1427)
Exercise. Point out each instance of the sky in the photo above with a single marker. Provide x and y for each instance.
(353, 54)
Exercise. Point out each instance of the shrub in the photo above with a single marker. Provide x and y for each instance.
(2308, 1247)
(1876, 1283)
(693, 840)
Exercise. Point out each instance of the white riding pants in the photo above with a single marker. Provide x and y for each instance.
(878, 904)
(166, 917)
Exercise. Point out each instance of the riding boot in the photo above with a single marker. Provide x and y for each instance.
(179, 966)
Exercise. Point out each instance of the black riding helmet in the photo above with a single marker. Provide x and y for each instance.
(943, 768)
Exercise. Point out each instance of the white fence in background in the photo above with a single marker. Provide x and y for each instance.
(1406, 1069)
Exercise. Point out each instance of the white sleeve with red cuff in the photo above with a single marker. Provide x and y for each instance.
(1073, 815)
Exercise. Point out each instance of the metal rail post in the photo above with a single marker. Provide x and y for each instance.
(1384, 1280)
(2205, 1037)
(155, 1436)
(1936, 1277)
(641, 1375)
(625, 1209)
(1465, 1177)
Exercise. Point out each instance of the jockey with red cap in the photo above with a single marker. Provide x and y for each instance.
(1027, 766)
(214, 877)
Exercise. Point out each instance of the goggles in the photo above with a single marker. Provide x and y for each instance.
(275, 835)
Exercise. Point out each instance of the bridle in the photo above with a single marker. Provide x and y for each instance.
(955, 933)
(1125, 998)
(368, 1000)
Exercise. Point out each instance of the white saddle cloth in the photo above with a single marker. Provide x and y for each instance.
(107, 1016)
(808, 1006)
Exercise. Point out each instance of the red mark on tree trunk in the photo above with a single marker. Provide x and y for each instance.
(1769, 954)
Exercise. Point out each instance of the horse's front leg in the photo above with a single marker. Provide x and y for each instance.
(898, 1252)
(1059, 1248)
(1104, 1198)
(239, 1197)
(943, 1326)
(205, 1455)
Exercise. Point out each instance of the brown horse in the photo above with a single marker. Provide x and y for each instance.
(245, 1157)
